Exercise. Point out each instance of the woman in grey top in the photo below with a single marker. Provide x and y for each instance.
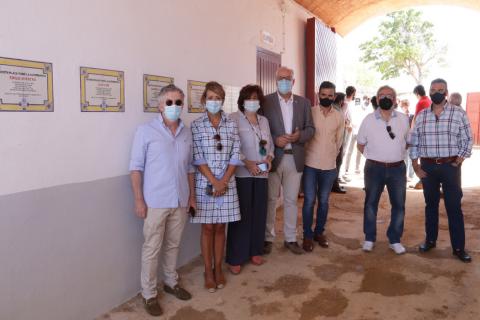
(245, 237)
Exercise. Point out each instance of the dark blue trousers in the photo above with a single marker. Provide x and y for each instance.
(376, 177)
(448, 177)
(245, 237)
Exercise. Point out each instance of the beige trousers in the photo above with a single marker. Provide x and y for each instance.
(285, 176)
(161, 227)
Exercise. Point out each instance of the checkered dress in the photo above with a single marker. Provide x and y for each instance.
(225, 208)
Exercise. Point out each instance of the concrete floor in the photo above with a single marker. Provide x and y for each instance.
(343, 282)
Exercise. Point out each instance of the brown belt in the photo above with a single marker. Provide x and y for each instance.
(387, 164)
(439, 160)
(288, 151)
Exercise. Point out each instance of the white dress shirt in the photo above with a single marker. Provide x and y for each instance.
(287, 115)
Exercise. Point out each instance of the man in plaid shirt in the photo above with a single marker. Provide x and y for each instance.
(441, 138)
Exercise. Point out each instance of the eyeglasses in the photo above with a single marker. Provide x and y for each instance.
(388, 96)
(390, 133)
(177, 102)
(219, 144)
(262, 150)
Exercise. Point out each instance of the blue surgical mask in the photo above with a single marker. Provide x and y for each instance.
(251, 105)
(213, 106)
(172, 112)
(285, 86)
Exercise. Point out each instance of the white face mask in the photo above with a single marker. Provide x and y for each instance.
(251, 105)
(213, 106)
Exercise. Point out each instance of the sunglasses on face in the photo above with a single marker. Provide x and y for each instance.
(177, 102)
(219, 144)
(390, 133)
(262, 150)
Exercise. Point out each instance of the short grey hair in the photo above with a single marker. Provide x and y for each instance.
(285, 68)
(455, 98)
(388, 87)
(167, 89)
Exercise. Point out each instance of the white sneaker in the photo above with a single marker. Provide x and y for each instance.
(398, 248)
(368, 246)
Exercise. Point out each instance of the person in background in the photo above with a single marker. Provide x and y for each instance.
(366, 102)
(358, 113)
(216, 153)
(382, 138)
(404, 105)
(291, 126)
(455, 99)
(245, 237)
(373, 100)
(350, 92)
(320, 167)
(442, 139)
(162, 195)
(340, 105)
(423, 103)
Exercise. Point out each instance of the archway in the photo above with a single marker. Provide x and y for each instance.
(345, 16)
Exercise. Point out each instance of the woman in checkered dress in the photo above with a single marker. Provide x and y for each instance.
(216, 153)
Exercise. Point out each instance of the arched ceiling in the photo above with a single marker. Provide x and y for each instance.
(346, 15)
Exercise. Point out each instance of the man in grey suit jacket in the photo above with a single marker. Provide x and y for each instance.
(291, 125)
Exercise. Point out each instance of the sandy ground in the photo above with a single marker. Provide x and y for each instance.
(343, 282)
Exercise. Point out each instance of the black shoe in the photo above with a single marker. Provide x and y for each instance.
(267, 247)
(339, 189)
(462, 255)
(426, 246)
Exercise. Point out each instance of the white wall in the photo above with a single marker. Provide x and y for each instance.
(60, 239)
(197, 40)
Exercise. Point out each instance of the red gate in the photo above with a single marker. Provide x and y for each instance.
(473, 113)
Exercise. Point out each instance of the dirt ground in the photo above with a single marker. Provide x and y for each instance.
(343, 282)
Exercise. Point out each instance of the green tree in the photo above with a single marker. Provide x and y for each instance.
(405, 44)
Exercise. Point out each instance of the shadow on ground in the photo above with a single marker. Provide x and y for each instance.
(342, 281)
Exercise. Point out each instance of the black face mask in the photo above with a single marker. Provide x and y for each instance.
(385, 103)
(325, 102)
(437, 97)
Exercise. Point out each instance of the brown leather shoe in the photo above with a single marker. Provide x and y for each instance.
(152, 307)
(178, 292)
(322, 240)
(307, 245)
(418, 185)
(293, 247)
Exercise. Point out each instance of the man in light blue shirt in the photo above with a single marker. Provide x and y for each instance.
(162, 180)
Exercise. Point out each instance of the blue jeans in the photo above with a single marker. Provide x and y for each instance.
(317, 183)
(376, 178)
(449, 177)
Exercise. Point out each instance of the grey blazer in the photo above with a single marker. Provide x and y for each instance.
(302, 118)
